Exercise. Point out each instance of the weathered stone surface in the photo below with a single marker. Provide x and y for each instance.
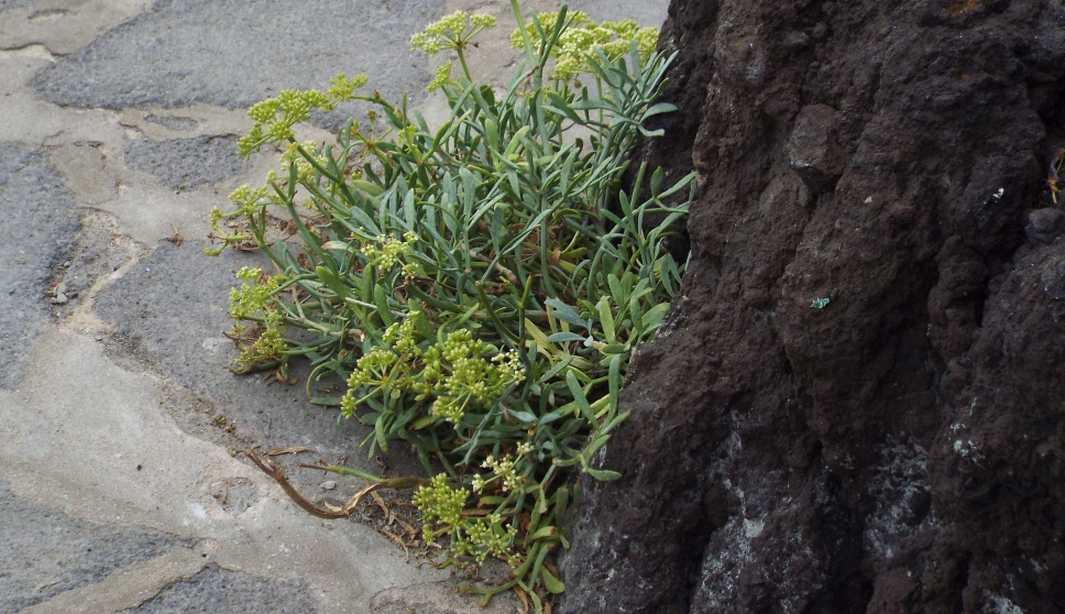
(39, 224)
(182, 164)
(233, 54)
(218, 590)
(170, 311)
(171, 122)
(436, 598)
(47, 552)
(903, 448)
(648, 13)
(13, 4)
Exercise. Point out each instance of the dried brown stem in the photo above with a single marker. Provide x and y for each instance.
(272, 470)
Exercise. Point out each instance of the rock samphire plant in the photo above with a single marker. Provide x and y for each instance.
(479, 286)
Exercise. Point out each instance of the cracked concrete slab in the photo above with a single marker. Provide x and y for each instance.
(13, 4)
(40, 223)
(170, 311)
(48, 552)
(214, 589)
(172, 122)
(61, 26)
(95, 441)
(233, 54)
(181, 164)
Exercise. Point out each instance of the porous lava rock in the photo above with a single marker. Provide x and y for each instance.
(858, 402)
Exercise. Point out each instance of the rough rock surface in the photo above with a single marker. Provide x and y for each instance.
(898, 445)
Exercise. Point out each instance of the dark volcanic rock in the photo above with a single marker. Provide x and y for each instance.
(903, 448)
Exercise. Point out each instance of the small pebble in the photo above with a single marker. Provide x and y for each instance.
(59, 299)
(328, 485)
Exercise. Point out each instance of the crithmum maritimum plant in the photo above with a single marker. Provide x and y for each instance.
(479, 286)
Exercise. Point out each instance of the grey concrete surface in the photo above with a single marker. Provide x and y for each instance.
(181, 164)
(233, 53)
(47, 552)
(169, 310)
(172, 122)
(121, 483)
(214, 590)
(39, 225)
(11, 4)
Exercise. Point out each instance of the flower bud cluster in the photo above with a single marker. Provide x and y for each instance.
(254, 295)
(247, 200)
(386, 368)
(269, 347)
(503, 468)
(457, 373)
(441, 75)
(582, 40)
(304, 169)
(480, 538)
(275, 117)
(451, 32)
(441, 508)
(440, 505)
(384, 252)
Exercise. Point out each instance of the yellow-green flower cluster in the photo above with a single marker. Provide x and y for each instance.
(384, 252)
(254, 295)
(440, 505)
(249, 203)
(247, 200)
(582, 39)
(451, 32)
(268, 348)
(547, 21)
(402, 336)
(504, 470)
(374, 369)
(387, 368)
(304, 169)
(457, 374)
(480, 538)
(275, 117)
(441, 508)
(441, 76)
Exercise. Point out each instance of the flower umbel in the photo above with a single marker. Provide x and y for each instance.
(583, 40)
(440, 505)
(254, 294)
(451, 32)
(275, 117)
